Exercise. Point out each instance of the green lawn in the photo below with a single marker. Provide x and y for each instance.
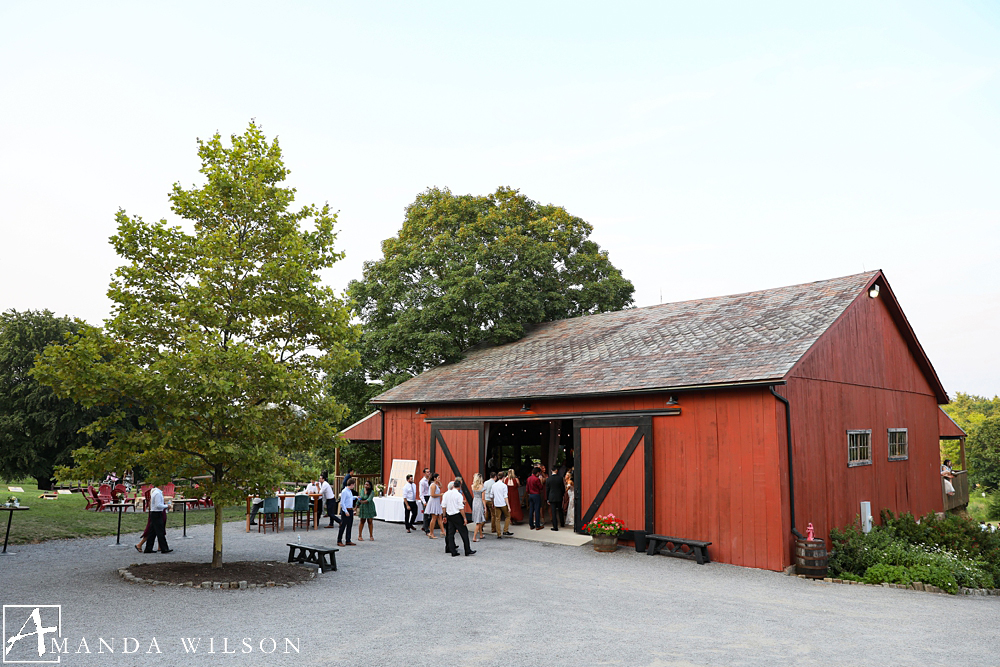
(978, 504)
(65, 517)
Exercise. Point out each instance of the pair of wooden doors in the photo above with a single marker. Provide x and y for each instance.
(608, 477)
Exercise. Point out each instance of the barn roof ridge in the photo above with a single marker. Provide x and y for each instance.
(722, 340)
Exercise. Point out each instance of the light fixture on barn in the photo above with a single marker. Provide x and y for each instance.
(526, 407)
(672, 400)
(421, 410)
(873, 291)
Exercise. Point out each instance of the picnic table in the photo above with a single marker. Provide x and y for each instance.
(10, 516)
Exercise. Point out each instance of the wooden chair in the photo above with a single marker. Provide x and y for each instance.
(126, 498)
(104, 495)
(269, 514)
(302, 512)
(93, 502)
(144, 490)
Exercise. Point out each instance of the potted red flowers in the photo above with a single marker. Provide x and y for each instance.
(605, 531)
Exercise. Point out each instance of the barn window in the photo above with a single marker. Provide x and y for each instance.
(859, 448)
(897, 445)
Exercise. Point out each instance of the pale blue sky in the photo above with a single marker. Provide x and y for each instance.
(716, 148)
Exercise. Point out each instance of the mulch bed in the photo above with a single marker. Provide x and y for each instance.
(252, 572)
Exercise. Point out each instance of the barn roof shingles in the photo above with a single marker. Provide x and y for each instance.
(728, 339)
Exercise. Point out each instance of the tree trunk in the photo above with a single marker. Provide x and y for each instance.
(45, 483)
(217, 542)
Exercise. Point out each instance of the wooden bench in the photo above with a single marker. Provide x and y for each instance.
(674, 546)
(311, 553)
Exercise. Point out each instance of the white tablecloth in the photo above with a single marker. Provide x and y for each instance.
(389, 508)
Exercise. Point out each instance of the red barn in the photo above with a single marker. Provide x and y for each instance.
(675, 417)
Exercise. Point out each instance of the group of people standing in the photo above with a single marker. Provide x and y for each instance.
(497, 500)
(351, 503)
(441, 508)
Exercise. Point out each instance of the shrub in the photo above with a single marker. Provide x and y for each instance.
(892, 574)
(951, 551)
(935, 576)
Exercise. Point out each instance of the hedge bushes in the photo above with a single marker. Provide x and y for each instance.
(945, 552)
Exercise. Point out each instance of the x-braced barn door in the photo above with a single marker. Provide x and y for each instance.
(608, 478)
(463, 445)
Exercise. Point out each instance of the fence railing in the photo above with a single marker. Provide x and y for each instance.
(961, 498)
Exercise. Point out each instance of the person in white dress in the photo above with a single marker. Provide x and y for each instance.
(434, 507)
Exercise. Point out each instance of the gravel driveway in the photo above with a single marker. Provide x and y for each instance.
(400, 600)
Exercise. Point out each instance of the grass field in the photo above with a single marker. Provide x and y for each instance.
(978, 504)
(65, 517)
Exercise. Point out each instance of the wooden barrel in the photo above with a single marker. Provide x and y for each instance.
(810, 558)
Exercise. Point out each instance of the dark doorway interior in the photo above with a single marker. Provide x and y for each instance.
(519, 445)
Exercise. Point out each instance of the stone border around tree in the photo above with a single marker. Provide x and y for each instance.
(130, 578)
(915, 586)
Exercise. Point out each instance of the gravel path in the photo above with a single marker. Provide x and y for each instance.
(400, 600)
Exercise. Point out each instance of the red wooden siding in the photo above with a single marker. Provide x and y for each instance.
(464, 448)
(947, 428)
(719, 471)
(600, 449)
(369, 428)
(861, 375)
(719, 476)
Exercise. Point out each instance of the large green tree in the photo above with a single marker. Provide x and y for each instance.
(221, 334)
(38, 430)
(983, 453)
(467, 269)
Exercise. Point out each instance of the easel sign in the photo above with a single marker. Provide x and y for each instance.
(397, 476)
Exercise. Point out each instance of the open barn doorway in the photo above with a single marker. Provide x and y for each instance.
(520, 445)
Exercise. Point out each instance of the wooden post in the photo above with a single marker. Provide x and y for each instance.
(336, 462)
(961, 451)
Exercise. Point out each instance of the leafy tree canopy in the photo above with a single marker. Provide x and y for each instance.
(983, 453)
(466, 270)
(969, 410)
(38, 430)
(220, 337)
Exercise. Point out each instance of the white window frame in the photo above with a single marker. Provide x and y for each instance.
(859, 462)
(906, 444)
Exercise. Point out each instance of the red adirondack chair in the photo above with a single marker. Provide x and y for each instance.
(144, 490)
(126, 498)
(168, 492)
(105, 496)
(93, 502)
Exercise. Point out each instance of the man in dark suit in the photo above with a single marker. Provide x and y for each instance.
(554, 491)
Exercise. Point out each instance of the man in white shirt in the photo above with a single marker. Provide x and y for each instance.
(488, 500)
(453, 503)
(425, 493)
(330, 498)
(500, 509)
(410, 503)
(346, 514)
(157, 521)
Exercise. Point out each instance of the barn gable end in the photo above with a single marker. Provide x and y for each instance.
(866, 372)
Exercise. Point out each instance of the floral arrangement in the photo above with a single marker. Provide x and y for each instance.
(379, 488)
(605, 525)
(12, 500)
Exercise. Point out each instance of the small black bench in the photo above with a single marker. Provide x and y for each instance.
(674, 546)
(311, 553)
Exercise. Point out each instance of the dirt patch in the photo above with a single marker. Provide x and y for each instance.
(254, 573)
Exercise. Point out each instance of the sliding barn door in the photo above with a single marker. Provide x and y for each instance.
(458, 450)
(614, 470)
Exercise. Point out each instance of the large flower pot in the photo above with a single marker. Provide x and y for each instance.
(605, 543)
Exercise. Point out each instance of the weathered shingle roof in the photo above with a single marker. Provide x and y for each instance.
(750, 337)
